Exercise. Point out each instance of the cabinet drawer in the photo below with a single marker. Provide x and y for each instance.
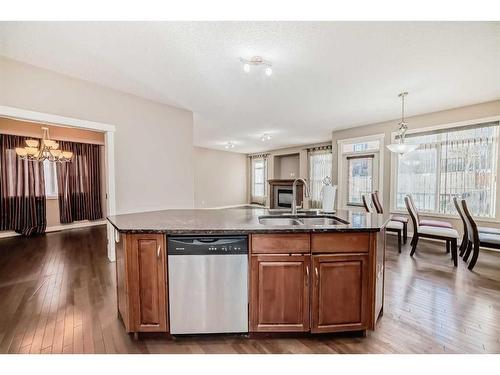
(340, 242)
(280, 243)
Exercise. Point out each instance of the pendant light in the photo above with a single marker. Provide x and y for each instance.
(401, 147)
(46, 149)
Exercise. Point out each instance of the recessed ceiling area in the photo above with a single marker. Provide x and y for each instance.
(325, 75)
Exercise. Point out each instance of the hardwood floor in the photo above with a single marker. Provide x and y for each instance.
(57, 295)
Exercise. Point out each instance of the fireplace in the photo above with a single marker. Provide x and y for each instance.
(284, 198)
(281, 193)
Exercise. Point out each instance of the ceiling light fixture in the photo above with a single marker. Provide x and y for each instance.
(229, 145)
(265, 137)
(401, 147)
(46, 149)
(257, 61)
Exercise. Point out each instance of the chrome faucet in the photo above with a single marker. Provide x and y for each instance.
(294, 193)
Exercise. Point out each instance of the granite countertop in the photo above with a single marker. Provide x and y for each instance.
(241, 220)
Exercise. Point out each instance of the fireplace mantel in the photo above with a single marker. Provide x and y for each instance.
(275, 184)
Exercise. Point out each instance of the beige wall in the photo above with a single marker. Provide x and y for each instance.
(220, 178)
(153, 141)
(58, 133)
(472, 112)
(287, 166)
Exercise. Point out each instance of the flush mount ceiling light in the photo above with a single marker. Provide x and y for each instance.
(265, 137)
(401, 147)
(229, 145)
(257, 61)
(46, 149)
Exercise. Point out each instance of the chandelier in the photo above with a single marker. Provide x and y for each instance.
(46, 149)
(401, 147)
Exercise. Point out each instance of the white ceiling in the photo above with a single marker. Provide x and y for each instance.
(327, 75)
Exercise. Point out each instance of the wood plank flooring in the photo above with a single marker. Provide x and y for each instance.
(57, 295)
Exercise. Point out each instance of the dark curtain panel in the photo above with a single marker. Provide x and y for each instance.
(79, 183)
(22, 190)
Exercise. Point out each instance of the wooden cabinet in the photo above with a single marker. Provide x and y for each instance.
(122, 281)
(334, 284)
(339, 293)
(141, 272)
(279, 293)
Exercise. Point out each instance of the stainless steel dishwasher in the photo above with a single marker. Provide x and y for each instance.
(208, 284)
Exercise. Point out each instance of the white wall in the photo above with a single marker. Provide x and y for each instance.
(153, 141)
(220, 178)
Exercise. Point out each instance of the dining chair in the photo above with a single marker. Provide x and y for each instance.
(391, 226)
(380, 210)
(465, 238)
(449, 235)
(476, 238)
(427, 222)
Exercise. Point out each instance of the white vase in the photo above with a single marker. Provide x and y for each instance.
(328, 193)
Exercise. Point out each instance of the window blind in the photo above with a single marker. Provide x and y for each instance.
(259, 179)
(451, 162)
(320, 166)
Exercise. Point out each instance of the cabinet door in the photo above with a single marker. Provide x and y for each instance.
(149, 281)
(339, 293)
(279, 293)
(121, 280)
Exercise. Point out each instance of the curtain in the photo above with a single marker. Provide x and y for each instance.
(259, 178)
(320, 166)
(22, 190)
(451, 162)
(79, 183)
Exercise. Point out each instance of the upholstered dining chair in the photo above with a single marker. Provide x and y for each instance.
(476, 238)
(392, 226)
(426, 222)
(380, 210)
(449, 235)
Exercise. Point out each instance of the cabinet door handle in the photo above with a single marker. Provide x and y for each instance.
(317, 275)
(117, 236)
(307, 275)
(158, 252)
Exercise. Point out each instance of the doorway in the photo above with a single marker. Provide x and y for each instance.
(68, 122)
(360, 170)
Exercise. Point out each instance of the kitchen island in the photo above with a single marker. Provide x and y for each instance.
(309, 273)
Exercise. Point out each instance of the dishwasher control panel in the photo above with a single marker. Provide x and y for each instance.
(207, 245)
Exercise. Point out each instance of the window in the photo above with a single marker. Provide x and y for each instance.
(360, 178)
(259, 172)
(320, 166)
(50, 176)
(451, 162)
(372, 145)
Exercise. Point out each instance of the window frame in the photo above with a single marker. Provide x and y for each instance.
(341, 201)
(394, 169)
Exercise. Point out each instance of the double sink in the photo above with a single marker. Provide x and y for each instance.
(302, 218)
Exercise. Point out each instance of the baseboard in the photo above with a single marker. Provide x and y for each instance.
(57, 228)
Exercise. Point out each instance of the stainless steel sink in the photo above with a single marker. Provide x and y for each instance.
(283, 221)
(299, 220)
(319, 221)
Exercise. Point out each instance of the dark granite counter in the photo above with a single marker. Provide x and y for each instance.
(241, 220)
